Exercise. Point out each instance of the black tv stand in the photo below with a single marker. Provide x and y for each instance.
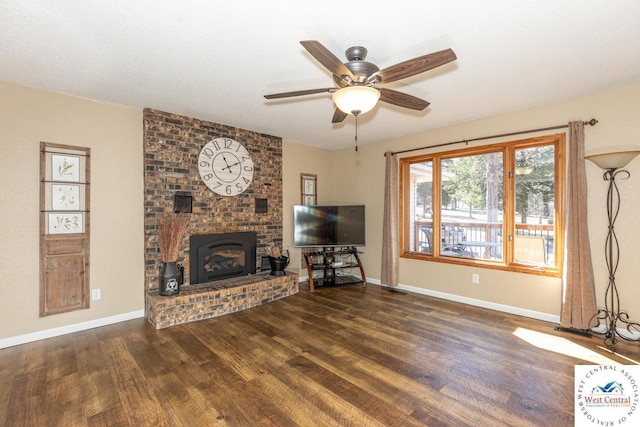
(332, 259)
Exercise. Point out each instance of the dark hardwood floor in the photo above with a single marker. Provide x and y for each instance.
(348, 356)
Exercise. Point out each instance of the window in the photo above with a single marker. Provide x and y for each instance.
(498, 206)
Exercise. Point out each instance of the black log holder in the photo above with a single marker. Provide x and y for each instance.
(278, 265)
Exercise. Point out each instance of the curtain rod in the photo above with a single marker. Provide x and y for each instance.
(591, 122)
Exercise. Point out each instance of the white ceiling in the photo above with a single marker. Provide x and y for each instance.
(215, 60)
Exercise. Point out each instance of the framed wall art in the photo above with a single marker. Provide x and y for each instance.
(308, 189)
(65, 197)
(65, 168)
(64, 228)
(65, 223)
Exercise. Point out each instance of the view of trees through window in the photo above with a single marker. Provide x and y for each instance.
(496, 204)
(472, 194)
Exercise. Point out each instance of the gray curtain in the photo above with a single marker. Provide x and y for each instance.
(578, 298)
(389, 270)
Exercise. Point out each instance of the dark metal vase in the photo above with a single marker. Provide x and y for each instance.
(169, 279)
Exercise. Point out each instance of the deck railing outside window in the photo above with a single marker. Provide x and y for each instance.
(455, 234)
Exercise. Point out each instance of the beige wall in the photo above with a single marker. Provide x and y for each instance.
(114, 134)
(297, 159)
(618, 112)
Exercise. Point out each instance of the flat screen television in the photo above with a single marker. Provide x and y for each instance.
(324, 226)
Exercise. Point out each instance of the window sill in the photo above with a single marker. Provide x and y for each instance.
(494, 265)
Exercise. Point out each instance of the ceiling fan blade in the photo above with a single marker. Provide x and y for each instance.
(299, 93)
(402, 99)
(338, 116)
(326, 58)
(416, 66)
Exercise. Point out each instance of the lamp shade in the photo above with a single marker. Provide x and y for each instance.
(356, 99)
(615, 160)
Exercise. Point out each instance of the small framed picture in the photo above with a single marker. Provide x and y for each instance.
(309, 186)
(65, 168)
(65, 197)
(308, 190)
(65, 223)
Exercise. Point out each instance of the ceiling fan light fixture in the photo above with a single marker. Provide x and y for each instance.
(356, 99)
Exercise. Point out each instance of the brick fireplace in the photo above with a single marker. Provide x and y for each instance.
(172, 144)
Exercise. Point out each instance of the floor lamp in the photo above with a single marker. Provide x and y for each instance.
(609, 317)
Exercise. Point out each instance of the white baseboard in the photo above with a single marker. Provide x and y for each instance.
(476, 302)
(76, 327)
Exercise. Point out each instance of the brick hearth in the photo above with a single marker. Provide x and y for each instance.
(203, 301)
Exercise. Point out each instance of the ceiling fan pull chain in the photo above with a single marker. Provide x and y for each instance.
(356, 131)
(355, 113)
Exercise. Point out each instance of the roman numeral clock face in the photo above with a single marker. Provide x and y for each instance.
(225, 166)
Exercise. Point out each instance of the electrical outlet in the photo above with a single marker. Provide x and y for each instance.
(95, 294)
(475, 278)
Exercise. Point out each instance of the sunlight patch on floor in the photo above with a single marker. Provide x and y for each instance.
(628, 359)
(562, 346)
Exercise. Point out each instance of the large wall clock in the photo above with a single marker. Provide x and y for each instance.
(225, 166)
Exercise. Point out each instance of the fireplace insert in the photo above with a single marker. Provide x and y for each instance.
(221, 256)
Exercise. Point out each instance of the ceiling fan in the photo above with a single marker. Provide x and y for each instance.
(358, 80)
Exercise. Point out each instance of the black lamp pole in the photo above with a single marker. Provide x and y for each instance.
(611, 314)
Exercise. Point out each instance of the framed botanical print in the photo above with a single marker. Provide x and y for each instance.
(65, 168)
(308, 190)
(65, 197)
(66, 223)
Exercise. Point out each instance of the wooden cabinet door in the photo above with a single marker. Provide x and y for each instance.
(65, 284)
